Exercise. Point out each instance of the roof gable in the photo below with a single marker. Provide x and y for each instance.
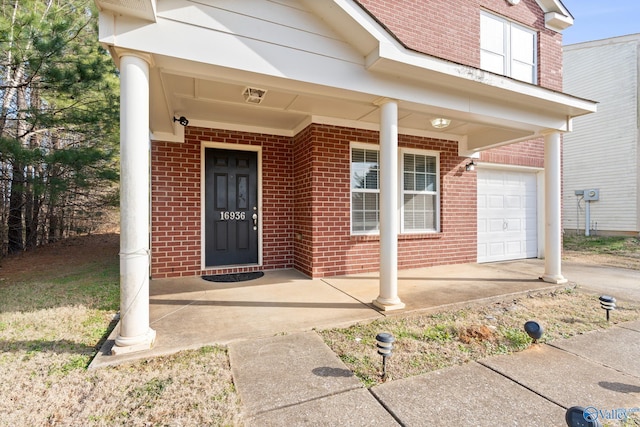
(556, 16)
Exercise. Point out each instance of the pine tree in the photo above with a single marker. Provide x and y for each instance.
(58, 119)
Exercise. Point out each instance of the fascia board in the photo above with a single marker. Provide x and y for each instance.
(390, 60)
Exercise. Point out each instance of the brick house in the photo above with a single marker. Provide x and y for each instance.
(335, 137)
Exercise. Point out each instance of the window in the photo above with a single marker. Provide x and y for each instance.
(365, 190)
(420, 199)
(507, 48)
(419, 190)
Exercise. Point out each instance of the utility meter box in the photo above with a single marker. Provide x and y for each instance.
(592, 194)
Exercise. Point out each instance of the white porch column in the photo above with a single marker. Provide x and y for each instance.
(552, 210)
(135, 333)
(389, 209)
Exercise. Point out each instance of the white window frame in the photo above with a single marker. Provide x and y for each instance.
(371, 147)
(507, 53)
(435, 193)
(401, 190)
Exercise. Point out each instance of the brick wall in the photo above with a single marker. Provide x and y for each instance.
(450, 29)
(176, 202)
(324, 228)
(306, 203)
(175, 208)
(528, 153)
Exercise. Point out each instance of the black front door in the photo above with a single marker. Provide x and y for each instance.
(231, 207)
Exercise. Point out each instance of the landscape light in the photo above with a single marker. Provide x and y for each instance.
(534, 330)
(608, 303)
(577, 417)
(384, 342)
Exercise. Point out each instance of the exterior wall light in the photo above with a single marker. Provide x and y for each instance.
(607, 303)
(440, 122)
(471, 165)
(384, 342)
(182, 120)
(534, 330)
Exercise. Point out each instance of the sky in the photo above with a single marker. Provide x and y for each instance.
(601, 19)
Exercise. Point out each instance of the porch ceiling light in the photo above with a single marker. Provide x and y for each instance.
(253, 95)
(440, 122)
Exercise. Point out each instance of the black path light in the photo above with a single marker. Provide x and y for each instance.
(577, 416)
(384, 342)
(534, 330)
(608, 303)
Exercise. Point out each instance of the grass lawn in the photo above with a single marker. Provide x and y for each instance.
(58, 303)
(56, 307)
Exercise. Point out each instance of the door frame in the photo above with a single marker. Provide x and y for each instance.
(230, 147)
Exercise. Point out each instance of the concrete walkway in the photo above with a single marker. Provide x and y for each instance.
(286, 375)
(297, 380)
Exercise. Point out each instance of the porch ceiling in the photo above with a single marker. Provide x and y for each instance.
(208, 102)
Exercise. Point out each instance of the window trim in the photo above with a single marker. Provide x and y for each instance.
(401, 191)
(507, 25)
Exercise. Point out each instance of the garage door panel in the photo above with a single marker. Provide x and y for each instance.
(513, 225)
(496, 249)
(507, 215)
(495, 202)
(496, 226)
(482, 250)
(512, 202)
(514, 248)
(482, 202)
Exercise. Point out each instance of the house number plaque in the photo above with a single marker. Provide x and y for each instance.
(232, 216)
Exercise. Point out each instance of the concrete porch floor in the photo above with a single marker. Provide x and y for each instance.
(188, 313)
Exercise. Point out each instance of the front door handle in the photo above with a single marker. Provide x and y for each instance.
(255, 221)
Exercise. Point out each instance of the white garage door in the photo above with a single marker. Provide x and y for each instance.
(507, 215)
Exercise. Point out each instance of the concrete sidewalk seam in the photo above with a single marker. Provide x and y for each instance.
(385, 407)
(481, 362)
(302, 402)
(626, 327)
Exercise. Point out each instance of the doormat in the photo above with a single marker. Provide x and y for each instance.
(235, 277)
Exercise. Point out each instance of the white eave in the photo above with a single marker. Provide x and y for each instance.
(556, 16)
(143, 9)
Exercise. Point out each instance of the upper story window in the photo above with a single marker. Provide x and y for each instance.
(507, 48)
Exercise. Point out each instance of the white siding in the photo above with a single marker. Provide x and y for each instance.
(602, 151)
